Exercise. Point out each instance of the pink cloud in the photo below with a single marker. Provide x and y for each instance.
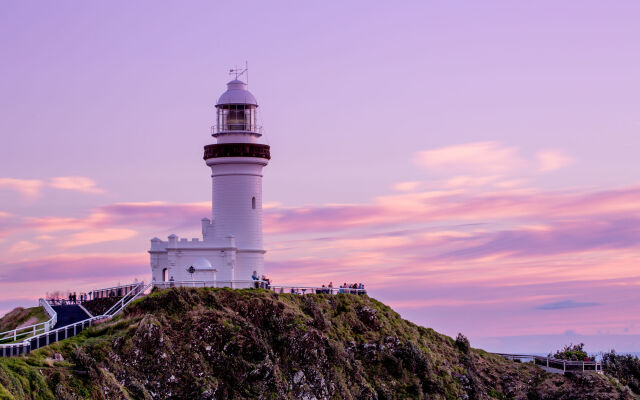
(63, 267)
(156, 213)
(551, 160)
(23, 246)
(7, 223)
(96, 236)
(489, 160)
(28, 188)
(31, 188)
(76, 183)
(478, 157)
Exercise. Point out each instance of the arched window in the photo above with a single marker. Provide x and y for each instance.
(165, 275)
(253, 203)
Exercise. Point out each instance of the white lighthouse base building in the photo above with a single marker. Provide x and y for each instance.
(205, 262)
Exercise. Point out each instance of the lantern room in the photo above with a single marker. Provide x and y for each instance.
(237, 111)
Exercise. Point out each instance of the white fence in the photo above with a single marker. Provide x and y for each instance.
(35, 329)
(115, 291)
(237, 284)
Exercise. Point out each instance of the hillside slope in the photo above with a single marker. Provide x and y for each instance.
(221, 343)
(20, 317)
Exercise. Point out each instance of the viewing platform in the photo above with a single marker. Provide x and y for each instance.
(555, 365)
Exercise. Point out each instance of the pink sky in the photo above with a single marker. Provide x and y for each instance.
(474, 164)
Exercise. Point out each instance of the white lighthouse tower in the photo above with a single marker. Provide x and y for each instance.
(231, 248)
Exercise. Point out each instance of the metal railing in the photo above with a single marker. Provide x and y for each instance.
(127, 298)
(32, 330)
(115, 291)
(556, 365)
(247, 284)
(234, 284)
(316, 290)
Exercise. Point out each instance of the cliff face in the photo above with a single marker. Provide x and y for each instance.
(220, 343)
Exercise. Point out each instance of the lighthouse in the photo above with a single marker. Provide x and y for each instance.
(231, 249)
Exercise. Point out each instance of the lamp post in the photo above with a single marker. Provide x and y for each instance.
(191, 270)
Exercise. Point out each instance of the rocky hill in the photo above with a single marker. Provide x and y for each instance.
(255, 344)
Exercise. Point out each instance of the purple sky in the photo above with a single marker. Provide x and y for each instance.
(475, 164)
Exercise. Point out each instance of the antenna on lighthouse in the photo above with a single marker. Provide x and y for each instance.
(238, 72)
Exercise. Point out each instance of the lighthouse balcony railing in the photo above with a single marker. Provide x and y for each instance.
(241, 128)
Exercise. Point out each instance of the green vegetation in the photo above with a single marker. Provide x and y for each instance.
(572, 352)
(623, 367)
(245, 344)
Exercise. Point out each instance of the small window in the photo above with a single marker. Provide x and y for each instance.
(253, 203)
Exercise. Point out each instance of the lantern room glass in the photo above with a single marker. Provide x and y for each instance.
(237, 118)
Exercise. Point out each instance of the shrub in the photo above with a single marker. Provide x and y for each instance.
(572, 352)
(462, 343)
(624, 367)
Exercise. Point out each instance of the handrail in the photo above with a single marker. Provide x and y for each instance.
(125, 300)
(216, 284)
(35, 328)
(98, 293)
(130, 300)
(316, 290)
(134, 292)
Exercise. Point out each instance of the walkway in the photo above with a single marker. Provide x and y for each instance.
(69, 314)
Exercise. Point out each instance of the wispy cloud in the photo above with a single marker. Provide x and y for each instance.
(31, 188)
(489, 160)
(551, 160)
(96, 236)
(74, 266)
(76, 183)
(561, 305)
(23, 246)
(28, 188)
(479, 157)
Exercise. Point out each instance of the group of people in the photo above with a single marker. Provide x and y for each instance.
(74, 298)
(262, 283)
(355, 288)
